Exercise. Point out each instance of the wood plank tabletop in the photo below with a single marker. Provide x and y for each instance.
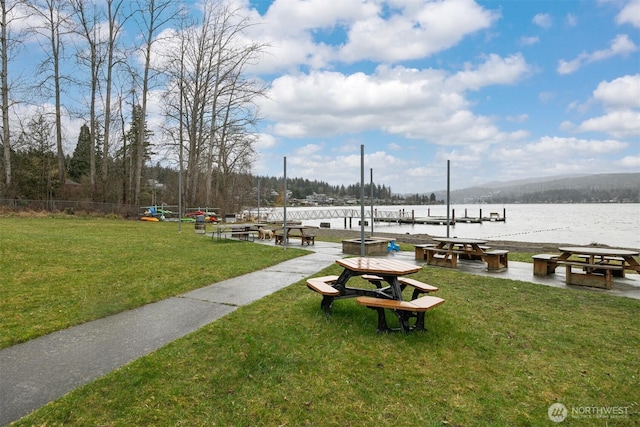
(378, 266)
(598, 251)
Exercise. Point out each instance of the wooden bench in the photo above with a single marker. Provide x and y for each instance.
(443, 257)
(544, 264)
(497, 259)
(323, 286)
(421, 255)
(375, 280)
(594, 275)
(608, 259)
(471, 256)
(403, 309)
(419, 287)
(244, 235)
(308, 239)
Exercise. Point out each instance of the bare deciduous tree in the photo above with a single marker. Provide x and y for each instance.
(154, 14)
(54, 25)
(9, 42)
(88, 29)
(219, 110)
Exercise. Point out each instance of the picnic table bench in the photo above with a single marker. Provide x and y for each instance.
(243, 233)
(594, 274)
(597, 265)
(405, 310)
(611, 260)
(305, 238)
(419, 287)
(443, 257)
(388, 278)
(420, 253)
(496, 259)
(544, 264)
(449, 249)
(237, 231)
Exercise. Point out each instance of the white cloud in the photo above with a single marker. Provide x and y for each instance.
(309, 150)
(293, 29)
(419, 104)
(542, 20)
(529, 41)
(495, 70)
(630, 14)
(286, 18)
(570, 155)
(621, 92)
(571, 20)
(632, 162)
(416, 31)
(620, 99)
(345, 168)
(265, 141)
(619, 124)
(560, 146)
(621, 45)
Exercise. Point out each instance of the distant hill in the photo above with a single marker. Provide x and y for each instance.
(570, 189)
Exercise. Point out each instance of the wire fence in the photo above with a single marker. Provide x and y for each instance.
(69, 206)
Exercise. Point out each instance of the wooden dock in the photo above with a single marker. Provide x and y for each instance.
(409, 218)
(399, 217)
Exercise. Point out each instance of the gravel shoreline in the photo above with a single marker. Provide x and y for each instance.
(425, 238)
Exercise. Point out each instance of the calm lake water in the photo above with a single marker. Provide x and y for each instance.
(579, 224)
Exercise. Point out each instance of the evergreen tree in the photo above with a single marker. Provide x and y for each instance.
(79, 164)
(129, 152)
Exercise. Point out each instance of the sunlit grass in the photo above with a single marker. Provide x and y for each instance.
(498, 353)
(58, 272)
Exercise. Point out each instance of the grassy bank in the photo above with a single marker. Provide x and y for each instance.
(498, 352)
(59, 272)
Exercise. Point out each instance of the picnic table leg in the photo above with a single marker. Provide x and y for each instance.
(382, 320)
(420, 322)
(326, 303)
(403, 318)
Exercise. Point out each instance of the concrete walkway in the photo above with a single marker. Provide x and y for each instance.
(44, 369)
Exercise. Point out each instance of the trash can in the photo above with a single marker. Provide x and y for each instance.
(201, 225)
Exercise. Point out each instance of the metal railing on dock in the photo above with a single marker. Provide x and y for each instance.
(400, 216)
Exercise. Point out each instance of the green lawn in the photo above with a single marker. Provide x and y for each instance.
(59, 272)
(497, 353)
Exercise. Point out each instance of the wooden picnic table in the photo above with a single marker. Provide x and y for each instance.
(597, 264)
(386, 275)
(301, 233)
(448, 249)
(236, 230)
(388, 269)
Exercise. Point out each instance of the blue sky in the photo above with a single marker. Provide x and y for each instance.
(504, 89)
